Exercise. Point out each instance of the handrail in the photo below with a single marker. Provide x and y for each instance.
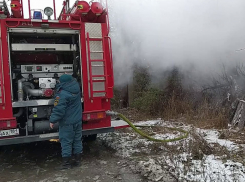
(75, 23)
(29, 8)
(2, 76)
(74, 27)
(54, 10)
(110, 50)
(22, 10)
(105, 67)
(90, 68)
(107, 19)
(12, 26)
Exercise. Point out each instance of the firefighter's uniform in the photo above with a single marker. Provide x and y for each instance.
(68, 112)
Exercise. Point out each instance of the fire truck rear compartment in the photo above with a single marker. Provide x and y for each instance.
(37, 61)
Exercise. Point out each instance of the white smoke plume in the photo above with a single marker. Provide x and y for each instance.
(198, 36)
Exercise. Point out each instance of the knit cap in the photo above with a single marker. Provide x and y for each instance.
(65, 78)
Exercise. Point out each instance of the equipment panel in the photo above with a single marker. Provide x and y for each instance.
(43, 47)
(47, 83)
(46, 68)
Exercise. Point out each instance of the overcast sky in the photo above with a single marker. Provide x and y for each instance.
(196, 35)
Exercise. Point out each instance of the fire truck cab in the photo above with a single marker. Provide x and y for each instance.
(36, 51)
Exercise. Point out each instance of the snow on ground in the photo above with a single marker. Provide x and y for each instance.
(210, 169)
(212, 136)
(155, 160)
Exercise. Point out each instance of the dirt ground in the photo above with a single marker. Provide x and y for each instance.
(36, 162)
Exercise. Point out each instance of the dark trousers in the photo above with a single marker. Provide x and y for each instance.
(71, 139)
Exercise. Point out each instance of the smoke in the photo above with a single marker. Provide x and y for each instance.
(199, 37)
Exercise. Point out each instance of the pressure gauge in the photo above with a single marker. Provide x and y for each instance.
(42, 85)
(52, 85)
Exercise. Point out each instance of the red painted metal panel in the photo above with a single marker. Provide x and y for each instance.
(6, 110)
(2, 91)
(8, 123)
(96, 103)
(90, 104)
(84, 69)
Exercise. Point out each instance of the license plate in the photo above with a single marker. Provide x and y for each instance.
(11, 132)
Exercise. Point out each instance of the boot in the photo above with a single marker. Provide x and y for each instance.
(77, 160)
(65, 163)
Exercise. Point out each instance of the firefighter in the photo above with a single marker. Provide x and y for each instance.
(67, 112)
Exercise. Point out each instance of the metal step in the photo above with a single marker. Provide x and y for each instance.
(97, 65)
(97, 60)
(96, 51)
(98, 80)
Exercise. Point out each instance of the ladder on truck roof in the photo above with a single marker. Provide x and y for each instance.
(96, 59)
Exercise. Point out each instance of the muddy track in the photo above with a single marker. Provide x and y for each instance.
(36, 162)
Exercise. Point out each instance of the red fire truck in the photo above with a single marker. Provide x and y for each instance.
(36, 51)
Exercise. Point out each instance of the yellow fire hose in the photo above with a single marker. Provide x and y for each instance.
(134, 127)
(186, 133)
